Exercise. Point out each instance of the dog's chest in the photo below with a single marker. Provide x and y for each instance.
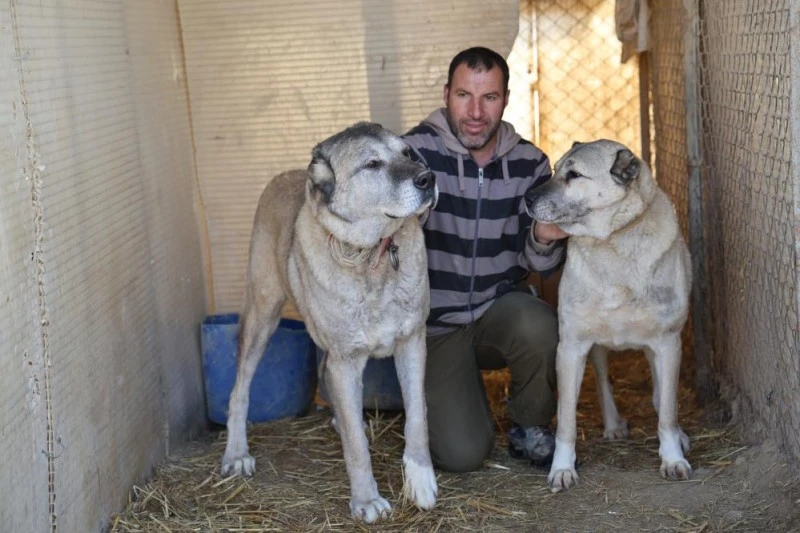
(364, 314)
(620, 304)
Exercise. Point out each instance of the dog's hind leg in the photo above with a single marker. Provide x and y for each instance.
(419, 480)
(615, 426)
(570, 364)
(259, 320)
(343, 378)
(664, 356)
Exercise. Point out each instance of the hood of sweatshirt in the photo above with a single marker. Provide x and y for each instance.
(507, 139)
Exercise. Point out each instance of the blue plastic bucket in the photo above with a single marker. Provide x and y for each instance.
(381, 387)
(285, 380)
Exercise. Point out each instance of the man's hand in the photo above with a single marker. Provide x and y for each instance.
(545, 233)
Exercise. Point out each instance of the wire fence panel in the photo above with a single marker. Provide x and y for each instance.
(747, 169)
(584, 90)
(747, 196)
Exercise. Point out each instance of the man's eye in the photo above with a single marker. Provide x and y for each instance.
(571, 175)
(373, 164)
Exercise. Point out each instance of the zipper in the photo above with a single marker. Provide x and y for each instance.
(475, 245)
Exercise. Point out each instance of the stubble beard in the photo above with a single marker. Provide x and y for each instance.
(471, 142)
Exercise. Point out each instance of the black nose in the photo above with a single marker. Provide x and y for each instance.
(425, 180)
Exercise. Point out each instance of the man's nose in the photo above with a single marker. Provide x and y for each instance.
(475, 108)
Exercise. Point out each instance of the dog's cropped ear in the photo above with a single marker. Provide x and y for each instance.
(626, 167)
(322, 177)
(575, 143)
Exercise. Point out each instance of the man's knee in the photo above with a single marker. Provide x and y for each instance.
(466, 454)
(533, 321)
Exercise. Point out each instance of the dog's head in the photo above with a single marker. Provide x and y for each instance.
(363, 184)
(596, 188)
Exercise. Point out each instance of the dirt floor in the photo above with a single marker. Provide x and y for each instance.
(301, 484)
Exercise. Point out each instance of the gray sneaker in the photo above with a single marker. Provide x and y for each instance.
(535, 443)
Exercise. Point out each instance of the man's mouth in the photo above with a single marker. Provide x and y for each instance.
(474, 128)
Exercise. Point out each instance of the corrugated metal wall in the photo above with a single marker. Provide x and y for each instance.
(270, 79)
(23, 417)
(101, 263)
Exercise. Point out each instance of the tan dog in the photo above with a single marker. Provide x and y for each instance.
(626, 284)
(343, 241)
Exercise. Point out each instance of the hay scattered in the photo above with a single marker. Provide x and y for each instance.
(301, 483)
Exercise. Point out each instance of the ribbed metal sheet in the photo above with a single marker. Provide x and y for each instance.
(23, 466)
(119, 271)
(268, 80)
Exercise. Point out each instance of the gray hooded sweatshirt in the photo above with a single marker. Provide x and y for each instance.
(478, 236)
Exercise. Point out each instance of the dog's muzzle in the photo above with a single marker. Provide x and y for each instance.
(425, 180)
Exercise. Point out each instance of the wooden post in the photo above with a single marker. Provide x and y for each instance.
(794, 117)
(644, 105)
(704, 383)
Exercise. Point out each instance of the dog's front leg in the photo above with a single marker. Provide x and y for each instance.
(420, 481)
(665, 361)
(570, 363)
(343, 378)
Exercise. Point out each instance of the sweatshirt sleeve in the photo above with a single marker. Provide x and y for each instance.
(535, 256)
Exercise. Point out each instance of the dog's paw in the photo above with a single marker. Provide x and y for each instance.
(617, 431)
(562, 479)
(243, 465)
(420, 484)
(676, 470)
(370, 510)
(684, 438)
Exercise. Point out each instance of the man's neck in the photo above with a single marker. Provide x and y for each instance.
(483, 155)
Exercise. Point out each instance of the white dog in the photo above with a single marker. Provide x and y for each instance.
(343, 241)
(626, 284)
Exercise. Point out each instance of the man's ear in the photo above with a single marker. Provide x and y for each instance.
(322, 180)
(626, 167)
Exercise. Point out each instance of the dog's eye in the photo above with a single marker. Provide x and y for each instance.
(407, 152)
(571, 175)
(373, 164)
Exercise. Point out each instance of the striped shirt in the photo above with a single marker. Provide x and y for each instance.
(478, 236)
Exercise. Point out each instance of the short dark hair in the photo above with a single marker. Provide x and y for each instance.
(479, 58)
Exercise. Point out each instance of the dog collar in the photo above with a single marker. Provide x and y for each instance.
(351, 256)
(387, 244)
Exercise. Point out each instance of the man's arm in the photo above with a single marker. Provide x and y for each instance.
(544, 243)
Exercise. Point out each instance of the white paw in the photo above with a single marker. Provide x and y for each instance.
(242, 465)
(370, 510)
(617, 431)
(562, 479)
(676, 470)
(420, 484)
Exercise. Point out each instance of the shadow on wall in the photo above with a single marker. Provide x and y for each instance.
(383, 65)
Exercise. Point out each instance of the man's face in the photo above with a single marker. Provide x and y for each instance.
(475, 101)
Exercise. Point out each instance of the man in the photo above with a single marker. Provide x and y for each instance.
(481, 247)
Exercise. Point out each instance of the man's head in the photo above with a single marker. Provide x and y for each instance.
(475, 96)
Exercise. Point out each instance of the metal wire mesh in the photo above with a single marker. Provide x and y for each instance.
(567, 82)
(584, 90)
(746, 172)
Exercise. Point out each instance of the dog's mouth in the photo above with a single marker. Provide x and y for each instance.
(428, 203)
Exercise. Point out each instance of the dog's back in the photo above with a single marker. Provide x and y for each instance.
(273, 226)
